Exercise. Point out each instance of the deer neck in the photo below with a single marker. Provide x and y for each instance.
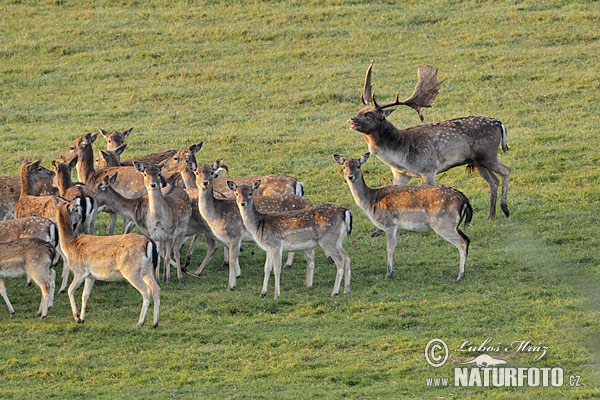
(189, 180)
(253, 220)
(65, 231)
(63, 182)
(118, 203)
(361, 192)
(27, 185)
(85, 164)
(157, 206)
(206, 202)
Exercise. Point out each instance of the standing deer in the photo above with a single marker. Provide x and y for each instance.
(325, 225)
(109, 258)
(224, 218)
(426, 150)
(114, 141)
(410, 208)
(31, 256)
(10, 189)
(167, 217)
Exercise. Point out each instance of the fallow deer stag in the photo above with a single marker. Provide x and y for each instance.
(325, 225)
(410, 208)
(426, 150)
(33, 257)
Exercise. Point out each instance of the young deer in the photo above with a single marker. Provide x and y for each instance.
(427, 150)
(129, 183)
(109, 258)
(31, 256)
(109, 158)
(410, 208)
(167, 217)
(114, 141)
(10, 189)
(224, 218)
(66, 188)
(324, 225)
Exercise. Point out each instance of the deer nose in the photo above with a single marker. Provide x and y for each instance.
(243, 204)
(205, 183)
(351, 178)
(153, 185)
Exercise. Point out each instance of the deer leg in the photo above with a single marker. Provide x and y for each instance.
(43, 281)
(177, 255)
(309, 255)
(65, 276)
(268, 269)
(340, 260)
(11, 310)
(459, 240)
(87, 289)
(225, 256)
(492, 181)
(400, 178)
(28, 281)
(155, 291)
(137, 282)
(234, 252)
(167, 269)
(190, 251)
(277, 271)
(112, 221)
(289, 261)
(504, 172)
(129, 227)
(392, 241)
(77, 280)
(210, 250)
(52, 287)
(347, 272)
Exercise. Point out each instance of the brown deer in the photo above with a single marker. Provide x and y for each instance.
(114, 141)
(325, 225)
(224, 218)
(426, 150)
(31, 256)
(109, 258)
(10, 189)
(410, 208)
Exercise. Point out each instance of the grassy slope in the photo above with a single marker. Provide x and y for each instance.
(269, 87)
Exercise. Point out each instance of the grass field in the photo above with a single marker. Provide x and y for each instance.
(269, 87)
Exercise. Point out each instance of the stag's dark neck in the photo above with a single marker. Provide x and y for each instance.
(387, 137)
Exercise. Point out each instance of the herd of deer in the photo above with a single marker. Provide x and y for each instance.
(169, 197)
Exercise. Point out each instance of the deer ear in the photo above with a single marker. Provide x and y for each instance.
(127, 132)
(139, 166)
(217, 164)
(113, 178)
(383, 114)
(54, 165)
(255, 185)
(232, 185)
(161, 165)
(338, 159)
(73, 163)
(103, 132)
(36, 163)
(193, 149)
(104, 183)
(363, 159)
(104, 154)
(119, 150)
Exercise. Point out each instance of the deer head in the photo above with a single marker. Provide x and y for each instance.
(77, 148)
(179, 161)
(151, 173)
(114, 139)
(352, 166)
(206, 174)
(370, 118)
(243, 193)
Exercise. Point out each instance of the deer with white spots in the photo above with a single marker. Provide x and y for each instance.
(427, 150)
(224, 219)
(325, 225)
(115, 146)
(410, 208)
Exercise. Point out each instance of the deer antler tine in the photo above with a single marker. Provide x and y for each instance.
(373, 100)
(367, 90)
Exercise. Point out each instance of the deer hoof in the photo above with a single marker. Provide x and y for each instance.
(12, 314)
(376, 233)
(80, 321)
(334, 294)
(263, 294)
(61, 291)
(287, 266)
(184, 269)
(181, 280)
(154, 325)
(504, 208)
(460, 277)
(389, 275)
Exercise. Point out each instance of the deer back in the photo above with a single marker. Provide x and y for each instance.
(271, 185)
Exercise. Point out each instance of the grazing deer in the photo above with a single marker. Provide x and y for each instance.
(427, 150)
(66, 188)
(224, 218)
(114, 140)
(109, 258)
(31, 256)
(410, 208)
(10, 189)
(167, 217)
(129, 183)
(324, 225)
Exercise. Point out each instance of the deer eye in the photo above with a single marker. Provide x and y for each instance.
(370, 116)
(72, 148)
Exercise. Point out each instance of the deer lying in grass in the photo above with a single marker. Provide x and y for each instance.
(114, 141)
(109, 258)
(66, 188)
(224, 218)
(31, 256)
(129, 183)
(427, 150)
(410, 208)
(10, 189)
(324, 225)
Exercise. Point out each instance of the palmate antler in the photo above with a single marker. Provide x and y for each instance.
(425, 92)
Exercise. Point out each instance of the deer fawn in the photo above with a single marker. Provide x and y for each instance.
(10, 189)
(427, 150)
(109, 258)
(410, 208)
(31, 256)
(325, 225)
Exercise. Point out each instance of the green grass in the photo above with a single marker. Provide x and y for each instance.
(269, 87)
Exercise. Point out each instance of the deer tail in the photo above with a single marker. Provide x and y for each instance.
(299, 188)
(466, 213)
(152, 253)
(504, 138)
(348, 221)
